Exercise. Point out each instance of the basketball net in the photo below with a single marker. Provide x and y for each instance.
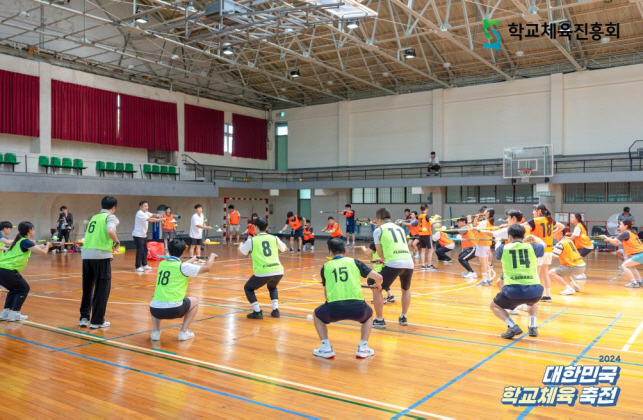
(524, 174)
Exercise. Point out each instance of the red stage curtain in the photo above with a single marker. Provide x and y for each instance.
(81, 113)
(203, 130)
(148, 124)
(19, 104)
(250, 136)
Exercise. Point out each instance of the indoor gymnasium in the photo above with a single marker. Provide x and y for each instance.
(321, 209)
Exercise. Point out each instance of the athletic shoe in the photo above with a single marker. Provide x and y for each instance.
(148, 268)
(545, 299)
(633, 284)
(423, 268)
(523, 308)
(103, 325)
(580, 277)
(533, 331)
(512, 311)
(255, 315)
(389, 299)
(403, 321)
(464, 274)
(447, 261)
(298, 250)
(312, 249)
(416, 256)
(511, 332)
(184, 336)
(325, 352)
(156, 335)
(577, 288)
(16, 316)
(363, 352)
(275, 313)
(4, 315)
(431, 267)
(379, 325)
(484, 283)
(140, 270)
(291, 250)
(83, 322)
(471, 275)
(568, 291)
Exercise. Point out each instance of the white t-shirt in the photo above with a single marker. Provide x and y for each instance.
(188, 270)
(435, 160)
(140, 224)
(195, 232)
(402, 263)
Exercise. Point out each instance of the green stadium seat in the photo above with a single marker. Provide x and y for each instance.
(56, 163)
(129, 169)
(156, 169)
(147, 169)
(0, 157)
(164, 170)
(43, 162)
(67, 163)
(174, 172)
(119, 167)
(79, 166)
(11, 159)
(100, 168)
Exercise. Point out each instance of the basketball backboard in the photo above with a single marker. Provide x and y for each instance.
(540, 159)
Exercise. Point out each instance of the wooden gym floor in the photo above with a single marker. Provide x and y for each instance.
(449, 362)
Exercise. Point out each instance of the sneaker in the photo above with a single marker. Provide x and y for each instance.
(389, 299)
(83, 322)
(464, 274)
(4, 315)
(156, 335)
(16, 316)
(291, 250)
(385, 301)
(633, 284)
(576, 287)
(511, 332)
(379, 325)
(447, 261)
(325, 352)
(431, 267)
(275, 313)
(533, 331)
(580, 277)
(312, 249)
(403, 321)
(423, 268)
(416, 256)
(184, 336)
(568, 291)
(546, 299)
(148, 268)
(103, 325)
(523, 308)
(298, 250)
(484, 282)
(512, 311)
(471, 275)
(363, 352)
(140, 270)
(255, 315)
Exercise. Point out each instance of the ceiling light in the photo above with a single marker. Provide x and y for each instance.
(141, 19)
(445, 27)
(283, 89)
(23, 14)
(520, 53)
(174, 57)
(446, 64)
(606, 40)
(228, 51)
(130, 67)
(410, 53)
(204, 74)
(352, 24)
(385, 74)
(329, 83)
(295, 74)
(533, 9)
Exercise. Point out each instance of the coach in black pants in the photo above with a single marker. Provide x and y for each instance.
(100, 239)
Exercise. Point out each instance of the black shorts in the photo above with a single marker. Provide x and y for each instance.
(585, 252)
(514, 295)
(171, 313)
(345, 310)
(390, 274)
(299, 233)
(412, 238)
(350, 228)
(425, 241)
(195, 242)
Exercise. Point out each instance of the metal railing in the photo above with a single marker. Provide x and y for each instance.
(193, 165)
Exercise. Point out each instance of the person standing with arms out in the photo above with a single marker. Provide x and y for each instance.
(390, 243)
(12, 262)
(633, 249)
(520, 284)
(425, 238)
(296, 224)
(309, 237)
(266, 267)
(626, 216)
(197, 225)
(65, 225)
(101, 240)
(544, 227)
(342, 281)
(5, 231)
(571, 263)
(169, 301)
(169, 228)
(349, 213)
(583, 244)
(141, 223)
(334, 229)
(234, 220)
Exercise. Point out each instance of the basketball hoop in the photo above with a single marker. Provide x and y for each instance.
(524, 174)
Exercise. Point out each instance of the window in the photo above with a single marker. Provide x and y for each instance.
(412, 198)
(525, 193)
(488, 194)
(636, 192)
(370, 195)
(454, 195)
(304, 194)
(469, 194)
(595, 193)
(397, 195)
(282, 129)
(618, 192)
(575, 193)
(227, 138)
(388, 195)
(358, 196)
(613, 192)
(384, 195)
(504, 194)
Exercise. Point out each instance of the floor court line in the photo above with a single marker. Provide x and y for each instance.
(580, 356)
(635, 334)
(156, 375)
(468, 371)
(239, 371)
